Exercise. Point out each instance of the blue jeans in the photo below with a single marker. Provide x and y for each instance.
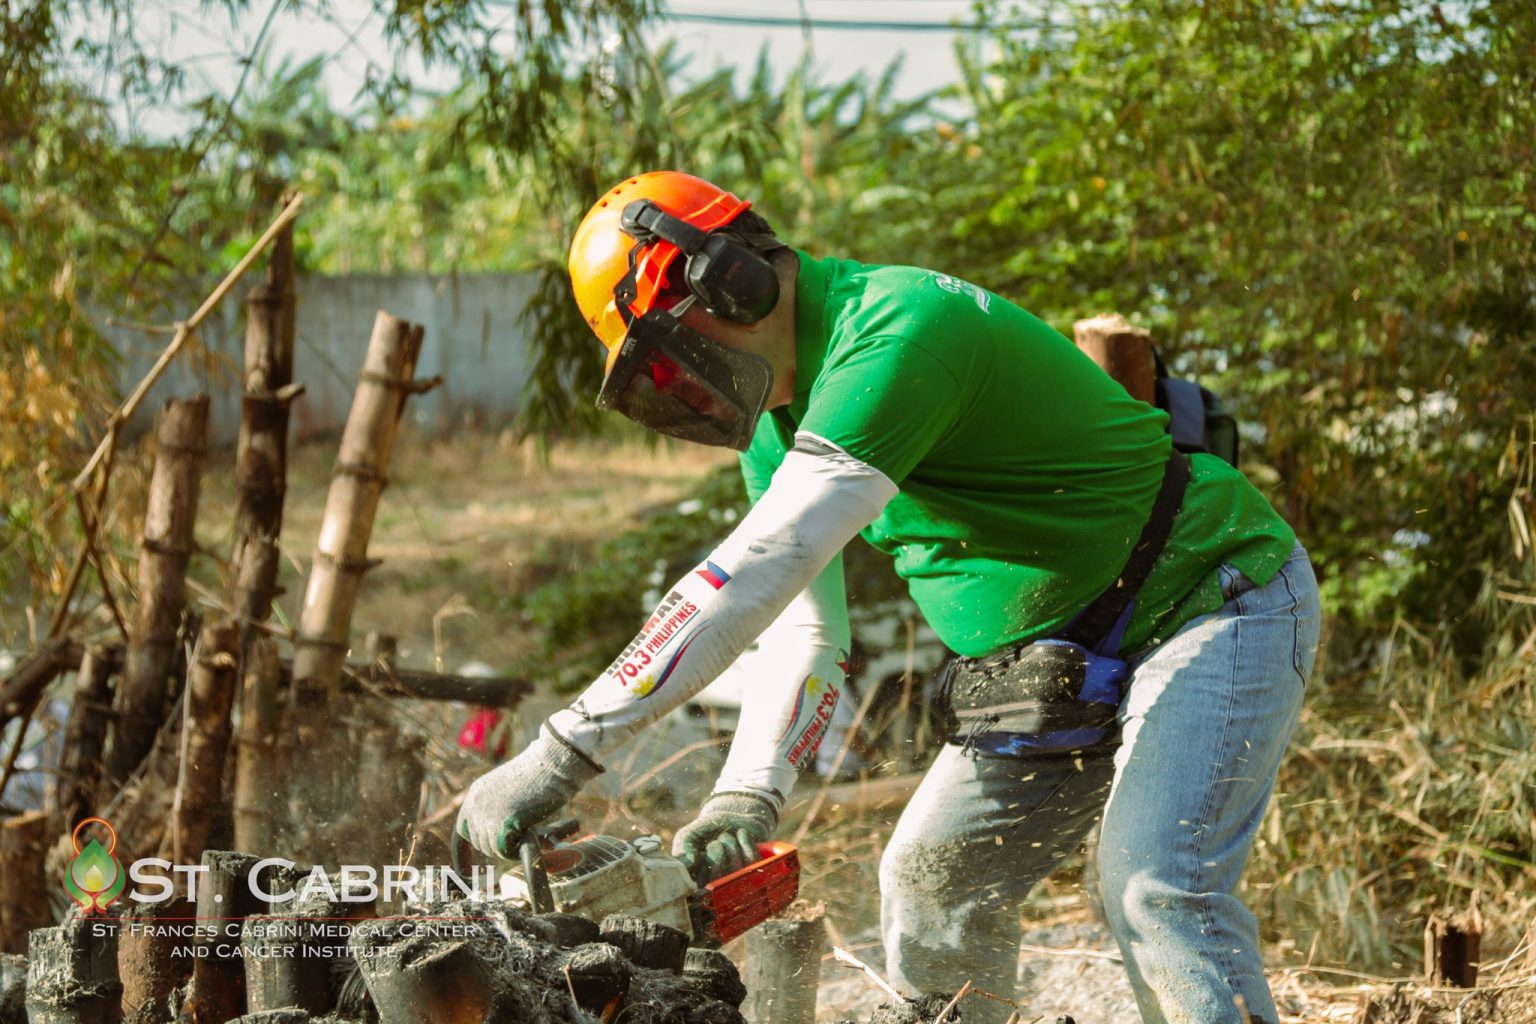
(1204, 722)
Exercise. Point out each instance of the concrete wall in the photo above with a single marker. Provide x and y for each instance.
(474, 341)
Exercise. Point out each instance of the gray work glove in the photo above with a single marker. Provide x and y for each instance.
(724, 837)
(505, 804)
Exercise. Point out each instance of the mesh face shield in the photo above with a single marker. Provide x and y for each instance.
(671, 379)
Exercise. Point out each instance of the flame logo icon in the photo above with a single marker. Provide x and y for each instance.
(94, 878)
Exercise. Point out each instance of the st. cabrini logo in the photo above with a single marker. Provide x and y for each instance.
(95, 878)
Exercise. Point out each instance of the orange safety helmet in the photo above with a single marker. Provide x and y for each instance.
(600, 250)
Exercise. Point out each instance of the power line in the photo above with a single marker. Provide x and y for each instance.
(830, 24)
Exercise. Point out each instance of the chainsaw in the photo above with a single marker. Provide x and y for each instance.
(598, 875)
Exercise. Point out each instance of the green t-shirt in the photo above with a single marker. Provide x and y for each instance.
(1025, 472)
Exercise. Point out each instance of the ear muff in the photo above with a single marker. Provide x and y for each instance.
(729, 279)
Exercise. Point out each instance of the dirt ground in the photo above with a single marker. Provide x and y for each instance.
(1071, 968)
(464, 523)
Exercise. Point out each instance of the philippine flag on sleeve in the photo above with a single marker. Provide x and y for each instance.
(713, 574)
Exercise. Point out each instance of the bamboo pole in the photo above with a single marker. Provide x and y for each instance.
(367, 441)
(1123, 350)
(386, 760)
(257, 755)
(165, 549)
(184, 331)
(324, 744)
(225, 898)
(85, 734)
(282, 968)
(387, 681)
(261, 454)
(210, 695)
(1453, 946)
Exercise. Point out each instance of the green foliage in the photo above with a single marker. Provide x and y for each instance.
(1325, 208)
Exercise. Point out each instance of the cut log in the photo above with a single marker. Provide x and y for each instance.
(598, 979)
(85, 734)
(152, 957)
(782, 967)
(1124, 351)
(645, 942)
(164, 550)
(23, 888)
(281, 970)
(261, 452)
(72, 973)
(712, 972)
(210, 696)
(224, 900)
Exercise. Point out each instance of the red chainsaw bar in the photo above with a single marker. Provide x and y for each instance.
(757, 892)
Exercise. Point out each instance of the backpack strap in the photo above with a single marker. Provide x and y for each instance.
(1101, 624)
(1185, 402)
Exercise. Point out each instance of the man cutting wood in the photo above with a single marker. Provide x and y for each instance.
(1135, 626)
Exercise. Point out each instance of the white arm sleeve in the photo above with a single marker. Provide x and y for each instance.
(794, 680)
(814, 505)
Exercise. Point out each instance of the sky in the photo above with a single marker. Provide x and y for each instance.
(844, 37)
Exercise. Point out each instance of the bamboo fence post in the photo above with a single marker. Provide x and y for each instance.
(211, 683)
(166, 547)
(367, 441)
(1123, 350)
(782, 968)
(85, 734)
(257, 756)
(261, 454)
(323, 743)
(23, 886)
